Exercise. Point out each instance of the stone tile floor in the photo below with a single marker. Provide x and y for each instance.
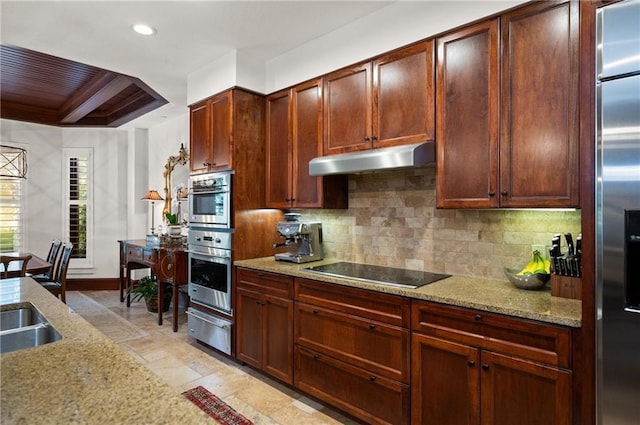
(184, 363)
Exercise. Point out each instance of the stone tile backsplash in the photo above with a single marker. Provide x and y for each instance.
(392, 220)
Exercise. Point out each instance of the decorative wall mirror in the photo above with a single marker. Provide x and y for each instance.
(182, 158)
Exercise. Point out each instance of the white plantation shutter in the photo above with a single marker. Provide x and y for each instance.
(10, 214)
(79, 205)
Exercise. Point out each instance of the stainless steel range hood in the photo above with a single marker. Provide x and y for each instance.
(384, 159)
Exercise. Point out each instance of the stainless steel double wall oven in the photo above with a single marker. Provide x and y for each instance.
(210, 259)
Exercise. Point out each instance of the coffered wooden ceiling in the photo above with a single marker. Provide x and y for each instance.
(45, 89)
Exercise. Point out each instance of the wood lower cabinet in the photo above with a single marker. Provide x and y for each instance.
(294, 137)
(372, 398)
(352, 350)
(264, 326)
(385, 102)
(473, 367)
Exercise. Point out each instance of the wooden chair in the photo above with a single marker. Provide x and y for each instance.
(52, 259)
(6, 259)
(58, 285)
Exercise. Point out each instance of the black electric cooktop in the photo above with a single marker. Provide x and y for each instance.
(378, 274)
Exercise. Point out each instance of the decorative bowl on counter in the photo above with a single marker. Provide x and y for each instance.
(527, 281)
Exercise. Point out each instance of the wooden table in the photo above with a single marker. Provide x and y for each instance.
(168, 263)
(35, 266)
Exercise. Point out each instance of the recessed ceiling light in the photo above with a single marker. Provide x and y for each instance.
(144, 29)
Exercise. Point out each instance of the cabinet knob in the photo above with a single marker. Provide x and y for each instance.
(478, 317)
(485, 367)
(315, 311)
(492, 193)
(504, 193)
(471, 363)
(366, 138)
(372, 378)
(316, 356)
(374, 138)
(372, 326)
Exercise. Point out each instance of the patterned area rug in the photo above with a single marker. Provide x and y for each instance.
(214, 407)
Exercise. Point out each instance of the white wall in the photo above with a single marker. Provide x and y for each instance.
(115, 217)
(394, 26)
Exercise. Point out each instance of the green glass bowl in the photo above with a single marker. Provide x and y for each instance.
(527, 281)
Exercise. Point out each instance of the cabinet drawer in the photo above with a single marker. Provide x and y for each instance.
(384, 308)
(519, 337)
(375, 346)
(370, 397)
(265, 282)
(141, 255)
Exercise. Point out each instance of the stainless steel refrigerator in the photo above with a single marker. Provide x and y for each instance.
(618, 213)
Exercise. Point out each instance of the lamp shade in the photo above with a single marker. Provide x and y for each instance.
(13, 162)
(153, 195)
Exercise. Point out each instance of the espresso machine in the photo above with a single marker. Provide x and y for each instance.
(303, 241)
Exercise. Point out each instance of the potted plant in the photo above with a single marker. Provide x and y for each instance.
(174, 226)
(147, 289)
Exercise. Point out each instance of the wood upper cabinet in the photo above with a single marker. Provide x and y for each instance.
(507, 124)
(200, 137)
(294, 137)
(279, 165)
(539, 102)
(385, 102)
(473, 367)
(265, 322)
(467, 93)
(211, 133)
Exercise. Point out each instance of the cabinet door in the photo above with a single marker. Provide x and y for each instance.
(278, 149)
(200, 137)
(249, 327)
(445, 382)
(403, 96)
(350, 338)
(539, 130)
(467, 117)
(374, 399)
(347, 110)
(221, 129)
(278, 338)
(521, 392)
(307, 143)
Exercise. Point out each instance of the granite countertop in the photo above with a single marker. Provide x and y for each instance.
(83, 378)
(493, 295)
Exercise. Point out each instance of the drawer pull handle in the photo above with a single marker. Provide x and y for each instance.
(372, 378)
(316, 356)
(478, 317)
(471, 363)
(485, 366)
(372, 326)
(315, 312)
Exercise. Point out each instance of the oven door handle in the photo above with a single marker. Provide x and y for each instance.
(206, 320)
(209, 192)
(208, 257)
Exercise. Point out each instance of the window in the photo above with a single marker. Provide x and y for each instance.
(79, 206)
(10, 214)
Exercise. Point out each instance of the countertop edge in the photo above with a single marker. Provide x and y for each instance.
(490, 295)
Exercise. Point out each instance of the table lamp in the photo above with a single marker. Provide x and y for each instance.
(153, 196)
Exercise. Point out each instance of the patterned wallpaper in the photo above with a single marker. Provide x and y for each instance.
(392, 220)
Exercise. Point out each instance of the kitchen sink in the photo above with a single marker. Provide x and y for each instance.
(24, 327)
(20, 317)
